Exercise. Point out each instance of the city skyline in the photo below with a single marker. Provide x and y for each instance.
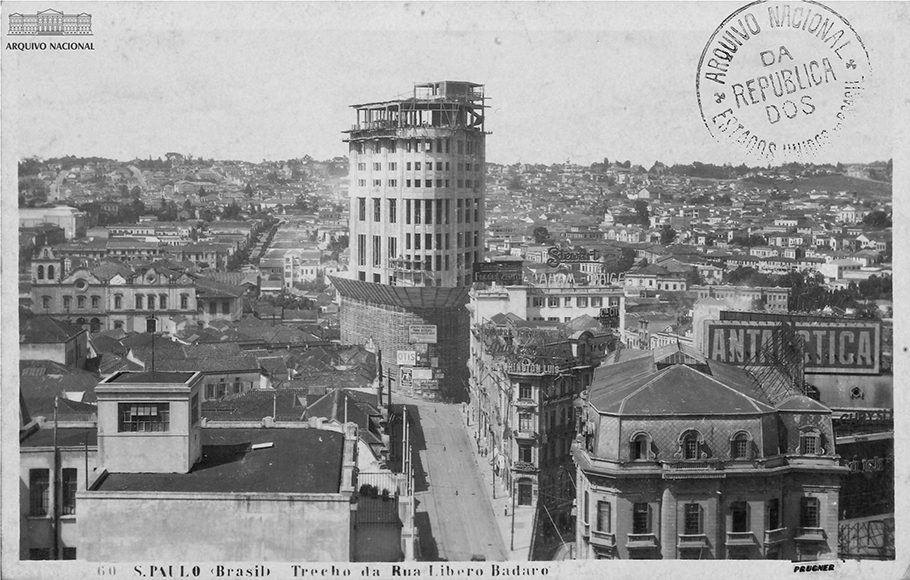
(566, 82)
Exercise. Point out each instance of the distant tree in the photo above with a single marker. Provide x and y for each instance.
(626, 164)
(201, 191)
(667, 234)
(249, 190)
(877, 219)
(231, 212)
(123, 190)
(641, 209)
(627, 259)
(135, 191)
(541, 235)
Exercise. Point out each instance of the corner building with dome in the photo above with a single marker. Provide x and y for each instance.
(680, 457)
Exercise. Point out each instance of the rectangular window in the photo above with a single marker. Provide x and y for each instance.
(377, 183)
(460, 147)
(184, 301)
(226, 307)
(213, 307)
(447, 212)
(407, 166)
(416, 241)
(438, 263)
(118, 302)
(525, 453)
(67, 302)
(417, 165)
(162, 301)
(476, 239)
(582, 301)
(38, 492)
(393, 166)
(448, 239)
(524, 391)
(69, 491)
(407, 241)
(362, 208)
(476, 209)
(603, 516)
(428, 183)
(448, 265)
(362, 250)
(69, 553)
(596, 301)
(377, 210)
(377, 250)
(417, 215)
(739, 512)
(362, 182)
(407, 183)
(553, 302)
(692, 518)
(458, 213)
(151, 301)
(393, 211)
(525, 422)
(641, 518)
(773, 514)
(377, 166)
(361, 167)
(438, 211)
(407, 209)
(809, 512)
(393, 247)
(144, 417)
(96, 300)
(460, 239)
(138, 301)
(428, 211)
(467, 211)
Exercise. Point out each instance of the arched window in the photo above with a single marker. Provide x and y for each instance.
(95, 325)
(45, 302)
(50, 272)
(41, 272)
(162, 301)
(741, 445)
(640, 446)
(691, 445)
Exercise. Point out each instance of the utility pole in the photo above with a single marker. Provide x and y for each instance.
(512, 544)
(56, 488)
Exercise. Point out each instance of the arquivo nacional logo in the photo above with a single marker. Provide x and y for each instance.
(50, 23)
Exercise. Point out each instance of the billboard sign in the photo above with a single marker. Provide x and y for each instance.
(423, 374)
(830, 347)
(407, 358)
(503, 273)
(425, 333)
(405, 377)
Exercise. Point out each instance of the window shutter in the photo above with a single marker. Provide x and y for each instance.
(650, 519)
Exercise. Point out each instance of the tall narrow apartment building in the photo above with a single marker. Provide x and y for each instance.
(416, 183)
(416, 230)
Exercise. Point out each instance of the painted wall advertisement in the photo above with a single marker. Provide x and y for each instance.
(830, 347)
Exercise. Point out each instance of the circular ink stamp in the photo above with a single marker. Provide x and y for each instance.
(779, 79)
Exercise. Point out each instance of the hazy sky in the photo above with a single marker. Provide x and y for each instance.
(272, 81)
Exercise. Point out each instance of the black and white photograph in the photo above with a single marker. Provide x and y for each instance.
(453, 289)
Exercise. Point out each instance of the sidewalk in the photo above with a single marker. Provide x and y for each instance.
(502, 506)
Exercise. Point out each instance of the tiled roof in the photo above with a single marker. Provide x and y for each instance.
(44, 329)
(638, 388)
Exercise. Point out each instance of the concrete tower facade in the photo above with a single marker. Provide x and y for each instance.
(416, 187)
(416, 230)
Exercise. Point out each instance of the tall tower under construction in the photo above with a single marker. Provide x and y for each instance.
(416, 230)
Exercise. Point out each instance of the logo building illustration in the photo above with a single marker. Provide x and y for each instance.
(50, 23)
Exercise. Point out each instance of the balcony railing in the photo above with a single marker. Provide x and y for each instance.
(776, 536)
(641, 541)
(807, 534)
(603, 539)
(692, 541)
(740, 539)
